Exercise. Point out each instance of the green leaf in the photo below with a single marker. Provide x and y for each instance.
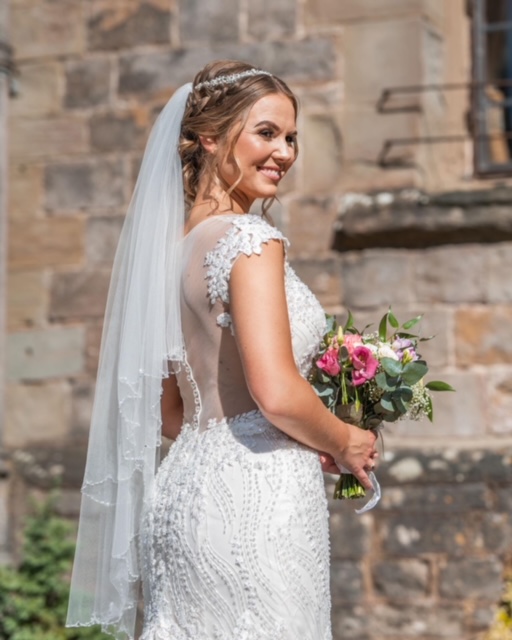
(350, 321)
(383, 327)
(392, 320)
(405, 393)
(438, 385)
(430, 409)
(331, 323)
(386, 402)
(392, 367)
(410, 323)
(413, 372)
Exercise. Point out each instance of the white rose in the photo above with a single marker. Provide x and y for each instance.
(385, 351)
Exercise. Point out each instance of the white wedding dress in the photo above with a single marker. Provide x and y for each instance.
(235, 542)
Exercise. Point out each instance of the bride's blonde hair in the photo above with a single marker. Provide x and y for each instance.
(219, 110)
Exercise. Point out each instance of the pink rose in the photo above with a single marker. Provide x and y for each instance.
(329, 362)
(351, 341)
(365, 365)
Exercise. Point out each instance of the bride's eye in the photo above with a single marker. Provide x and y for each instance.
(267, 133)
(291, 140)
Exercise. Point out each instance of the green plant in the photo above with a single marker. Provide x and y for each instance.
(34, 595)
(502, 625)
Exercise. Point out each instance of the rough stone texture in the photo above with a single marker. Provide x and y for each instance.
(323, 277)
(37, 413)
(216, 21)
(43, 138)
(49, 353)
(311, 59)
(25, 191)
(27, 300)
(124, 27)
(499, 384)
(346, 582)
(39, 91)
(116, 132)
(49, 242)
(87, 82)
(93, 339)
(322, 154)
(79, 295)
(329, 11)
(443, 274)
(84, 185)
(402, 579)
(309, 227)
(474, 578)
(82, 397)
(271, 19)
(353, 535)
(53, 28)
(101, 240)
(380, 277)
(387, 621)
(499, 286)
(483, 335)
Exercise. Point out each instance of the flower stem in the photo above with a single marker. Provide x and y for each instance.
(348, 487)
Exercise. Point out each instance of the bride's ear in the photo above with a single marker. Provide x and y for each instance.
(209, 143)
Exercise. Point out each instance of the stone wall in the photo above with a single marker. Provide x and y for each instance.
(93, 76)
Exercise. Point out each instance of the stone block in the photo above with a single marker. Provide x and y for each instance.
(47, 138)
(27, 300)
(379, 277)
(323, 277)
(413, 534)
(48, 242)
(272, 19)
(43, 28)
(321, 161)
(309, 227)
(37, 413)
(25, 192)
(392, 54)
(215, 21)
(102, 238)
(310, 59)
(499, 391)
(482, 335)
(87, 82)
(72, 186)
(401, 579)
(39, 93)
(436, 498)
(119, 131)
(68, 503)
(350, 533)
(416, 621)
(346, 582)
(82, 398)
(93, 342)
(504, 499)
(4, 515)
(499, 286)
(461, 415)
(129, 24)
(452, 274)
(478, 578)
(327, 12)
(497, 532)
(79, 295)
(350, 622)
(46, 353)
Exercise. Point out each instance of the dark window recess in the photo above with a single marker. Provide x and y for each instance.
(492, 86)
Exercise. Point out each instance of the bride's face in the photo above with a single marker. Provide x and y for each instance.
(264, 151)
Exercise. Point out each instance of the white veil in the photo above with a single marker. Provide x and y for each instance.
(142, 333)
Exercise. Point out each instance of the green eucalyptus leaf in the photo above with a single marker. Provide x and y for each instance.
(413, 372)
(392, 320)
(430, 410)
(386, 382)
(405, 393)
(438, 385)
(399, 405)
(386, 402)
(392, 367)
(350, 321)
(410, 323)
(383, 327)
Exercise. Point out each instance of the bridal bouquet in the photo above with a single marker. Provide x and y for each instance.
(370, 378)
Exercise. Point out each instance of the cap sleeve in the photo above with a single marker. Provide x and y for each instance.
(246, 235)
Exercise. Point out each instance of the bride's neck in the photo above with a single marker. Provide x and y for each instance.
(217, 201)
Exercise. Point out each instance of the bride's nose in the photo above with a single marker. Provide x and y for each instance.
(283, 150)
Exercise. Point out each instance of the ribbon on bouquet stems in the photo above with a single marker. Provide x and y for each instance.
(377, 492)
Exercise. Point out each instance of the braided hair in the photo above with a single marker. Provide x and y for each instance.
(220, 111)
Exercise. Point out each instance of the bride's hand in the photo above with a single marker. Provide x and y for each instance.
(358, 456)
(328, 464)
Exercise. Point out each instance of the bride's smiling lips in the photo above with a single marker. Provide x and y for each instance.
(273, 173)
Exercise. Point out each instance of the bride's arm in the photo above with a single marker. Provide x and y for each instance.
(262, 330)
(171, 406)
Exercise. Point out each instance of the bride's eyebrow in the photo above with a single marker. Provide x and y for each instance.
(272, 125)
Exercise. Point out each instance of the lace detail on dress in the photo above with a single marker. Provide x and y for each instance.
(246, 235)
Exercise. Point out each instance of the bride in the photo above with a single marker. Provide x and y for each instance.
(208, 340)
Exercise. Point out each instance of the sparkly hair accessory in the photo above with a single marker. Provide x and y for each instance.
(231, 79)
